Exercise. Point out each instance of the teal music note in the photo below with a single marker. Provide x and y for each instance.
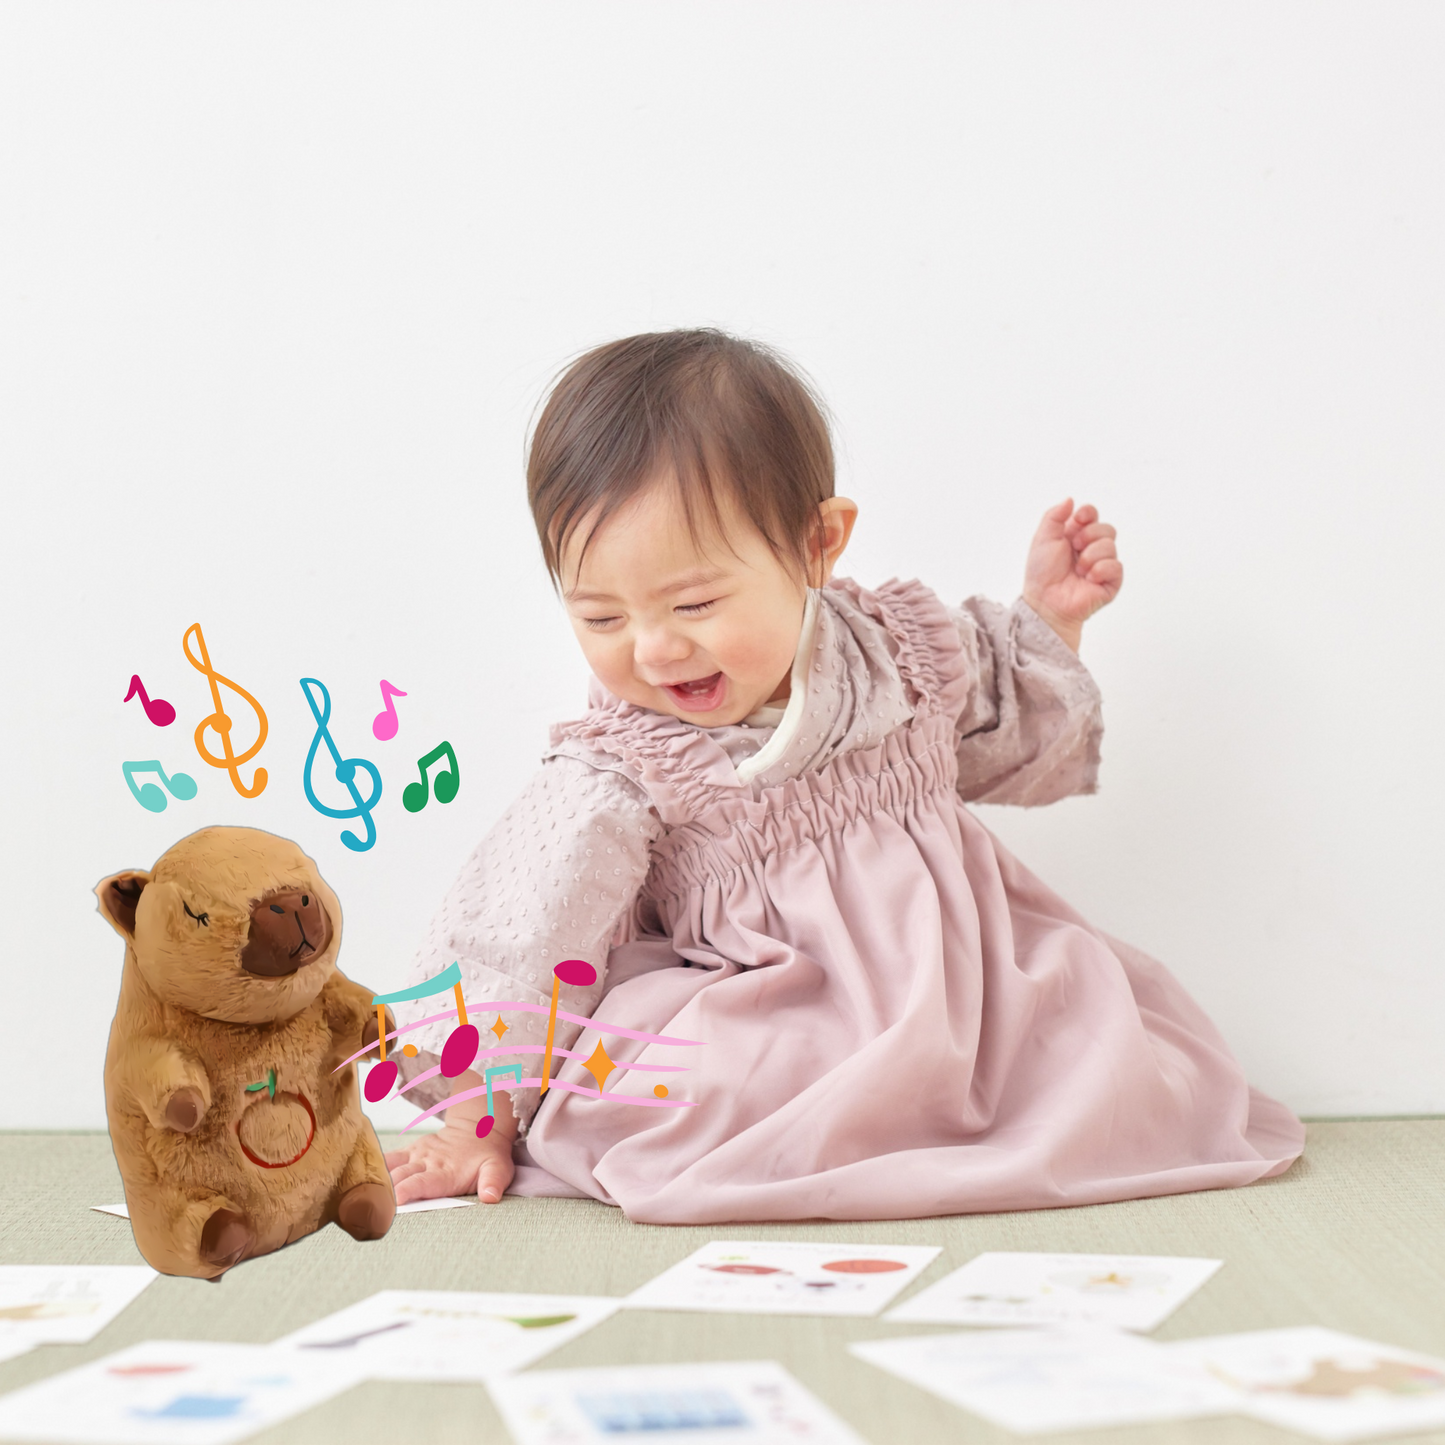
(414, 795)
(513, 1069)
(150, 797)
(346, 769)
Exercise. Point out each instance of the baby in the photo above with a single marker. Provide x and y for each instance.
(757, 836)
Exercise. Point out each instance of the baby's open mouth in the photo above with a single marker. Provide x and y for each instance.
(703, 694)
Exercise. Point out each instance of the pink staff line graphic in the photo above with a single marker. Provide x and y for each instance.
(501, 1006)
(436, 1069)
(556, 1084)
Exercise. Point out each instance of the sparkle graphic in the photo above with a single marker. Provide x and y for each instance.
(599, 1066)
(499, 1028)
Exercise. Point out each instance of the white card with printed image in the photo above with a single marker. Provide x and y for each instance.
(170, 1392)
(784, 1277)
(1073, 1378)
(60, 1304)
(444, 1334)
(1125, 1291)
(747, 1403)
(1325, 1384)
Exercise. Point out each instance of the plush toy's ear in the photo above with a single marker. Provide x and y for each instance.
(118, 898)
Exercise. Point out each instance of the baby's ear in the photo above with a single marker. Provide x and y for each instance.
(118, 899)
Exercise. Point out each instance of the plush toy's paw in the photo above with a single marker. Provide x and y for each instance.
(184, 1109)
(226, 1240)
(366, 1211)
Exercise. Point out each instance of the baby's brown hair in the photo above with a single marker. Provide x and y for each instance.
(728, 417)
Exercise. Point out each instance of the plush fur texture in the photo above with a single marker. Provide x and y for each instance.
(230, 982)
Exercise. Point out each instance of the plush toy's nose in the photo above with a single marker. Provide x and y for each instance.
(288, 930)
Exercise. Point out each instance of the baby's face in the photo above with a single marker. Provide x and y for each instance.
(704, 631)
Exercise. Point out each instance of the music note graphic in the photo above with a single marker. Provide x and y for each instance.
(515, 1070)
(220, 724)
(384, 724)
(414, 795)
(150, 797)
(458, 1051)
(345, 773)
(158, 710)
(580, 974)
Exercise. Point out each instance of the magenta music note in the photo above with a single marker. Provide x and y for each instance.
(158, 710)
(384, 725)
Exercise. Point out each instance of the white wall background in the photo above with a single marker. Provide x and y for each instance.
(280, 286)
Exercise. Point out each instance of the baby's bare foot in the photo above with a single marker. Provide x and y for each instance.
(452, 1161)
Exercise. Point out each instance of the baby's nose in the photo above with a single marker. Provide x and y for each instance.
(659, 646)
(288, 929)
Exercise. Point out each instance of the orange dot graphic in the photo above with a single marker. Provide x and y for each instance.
(660, 1090)
(409, 1050)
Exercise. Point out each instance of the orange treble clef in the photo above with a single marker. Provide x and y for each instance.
(220, 724)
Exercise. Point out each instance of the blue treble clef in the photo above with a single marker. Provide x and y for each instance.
(345, 772)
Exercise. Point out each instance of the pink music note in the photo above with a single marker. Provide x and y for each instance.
(158, 710)
(383, 728)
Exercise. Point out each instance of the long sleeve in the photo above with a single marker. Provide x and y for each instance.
(554, 879)
(1029, 732)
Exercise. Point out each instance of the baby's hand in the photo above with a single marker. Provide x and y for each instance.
(454, 1160)
(1073, 569)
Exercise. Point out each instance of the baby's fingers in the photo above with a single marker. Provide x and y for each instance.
(1056, 521)
(396, 1158)
(406, 1171)
(1100, 551)
(1092, 533)
(414, 1184)
(1108, 574)
(493, 1176)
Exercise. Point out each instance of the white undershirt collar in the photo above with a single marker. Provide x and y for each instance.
(784, 720)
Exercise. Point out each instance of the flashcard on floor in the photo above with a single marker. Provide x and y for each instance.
(1053, 1379)
(171, 1392)
(753, 1403)
(1325, 1384)
(1126, 1291)
(60, 1304)
(785, 1278)
(442, 1334)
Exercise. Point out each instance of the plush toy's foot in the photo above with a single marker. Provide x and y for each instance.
(226, 1240)
(366, 1211)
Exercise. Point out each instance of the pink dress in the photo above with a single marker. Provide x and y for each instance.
(897, 1019)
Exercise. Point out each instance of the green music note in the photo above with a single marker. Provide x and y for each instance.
(414, 796)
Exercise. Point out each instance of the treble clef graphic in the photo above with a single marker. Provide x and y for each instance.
(220, 724)
(345, 772)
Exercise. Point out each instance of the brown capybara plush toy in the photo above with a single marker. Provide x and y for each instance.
(233, 1135)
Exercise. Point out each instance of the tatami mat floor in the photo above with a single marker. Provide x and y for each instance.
(1353, 1238)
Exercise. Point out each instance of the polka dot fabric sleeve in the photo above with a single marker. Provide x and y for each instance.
(1030, 729)
(555, 878)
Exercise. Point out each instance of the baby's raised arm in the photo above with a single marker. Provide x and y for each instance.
(1030, 730)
